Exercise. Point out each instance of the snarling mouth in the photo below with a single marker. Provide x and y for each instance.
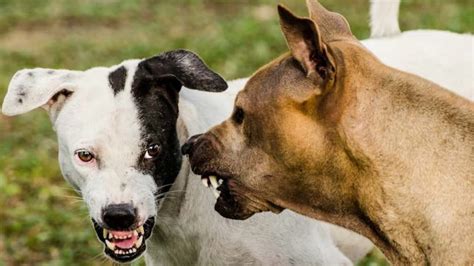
(124, 246)
(235, 201)
(213, 182)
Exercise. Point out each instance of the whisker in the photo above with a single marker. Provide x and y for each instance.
(171, 192)
(164, 186)
(99, 256)
(70, 197)
(68, 188)
(77, 201)
(166, 194)
(168, 198)
(175, 191)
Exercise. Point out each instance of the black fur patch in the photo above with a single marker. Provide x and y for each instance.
(155, 89)
(186, 68)
(117, 79)
(157, 104)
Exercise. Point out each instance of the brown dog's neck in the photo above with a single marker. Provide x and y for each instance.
(404, 138)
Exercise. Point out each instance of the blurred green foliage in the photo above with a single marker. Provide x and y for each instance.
(42, 220)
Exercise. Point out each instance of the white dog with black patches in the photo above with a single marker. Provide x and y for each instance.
(119, 133)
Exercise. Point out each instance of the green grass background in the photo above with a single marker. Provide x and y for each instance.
(42, 221)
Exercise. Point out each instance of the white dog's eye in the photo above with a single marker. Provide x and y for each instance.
(85, 155)
(152, 151)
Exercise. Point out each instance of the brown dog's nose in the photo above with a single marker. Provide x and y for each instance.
(189, 145)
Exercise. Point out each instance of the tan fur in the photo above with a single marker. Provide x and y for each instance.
(376, 150)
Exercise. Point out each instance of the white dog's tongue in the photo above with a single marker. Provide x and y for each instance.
(127, 241)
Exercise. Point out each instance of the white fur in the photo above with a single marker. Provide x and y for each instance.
(443, 57)
(384, 18)
(39, 86)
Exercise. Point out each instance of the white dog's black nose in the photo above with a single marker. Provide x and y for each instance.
(119, 216)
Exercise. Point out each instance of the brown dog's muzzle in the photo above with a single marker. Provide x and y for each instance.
(206, 158)
(202, 149)
(189, 145)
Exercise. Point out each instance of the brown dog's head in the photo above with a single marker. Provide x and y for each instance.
(278, 134)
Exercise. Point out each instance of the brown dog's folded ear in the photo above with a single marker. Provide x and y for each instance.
(305, 43)
(184, 66)
(332, 26)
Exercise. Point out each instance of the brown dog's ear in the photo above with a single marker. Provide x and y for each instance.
(332, 26)
(305, 43)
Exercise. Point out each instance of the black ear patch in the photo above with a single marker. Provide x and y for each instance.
(117, 79)
(184, 66)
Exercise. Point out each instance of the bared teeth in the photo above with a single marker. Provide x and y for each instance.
(110, 245)
(123, 252)
(213, 180)
(139, 233)
(119, 251)
(205, 181)
(213, 184)
(216, 193)
(122, 237)
(139, 242)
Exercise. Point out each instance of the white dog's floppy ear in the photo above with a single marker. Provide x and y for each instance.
(184, 66)
(39, 87)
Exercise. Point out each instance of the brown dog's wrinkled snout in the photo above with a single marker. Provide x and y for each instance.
(208, 158)
(201, 150)
(187, 148)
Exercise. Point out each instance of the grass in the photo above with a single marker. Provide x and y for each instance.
(42, 221)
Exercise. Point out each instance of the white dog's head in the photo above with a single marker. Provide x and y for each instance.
(118, 143)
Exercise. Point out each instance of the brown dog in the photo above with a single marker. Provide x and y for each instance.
(330, 132)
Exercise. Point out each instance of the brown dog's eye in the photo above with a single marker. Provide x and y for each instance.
(152, 151)
(85, 156)
(238, 115)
